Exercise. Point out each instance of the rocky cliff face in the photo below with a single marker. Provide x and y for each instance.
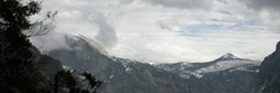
(269, 77)
(230, 82)
(227, 74)
(119, 75)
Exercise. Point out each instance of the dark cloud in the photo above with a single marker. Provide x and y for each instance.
(258, 5)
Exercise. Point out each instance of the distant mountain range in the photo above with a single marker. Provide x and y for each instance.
(227, 74)
(119, 75)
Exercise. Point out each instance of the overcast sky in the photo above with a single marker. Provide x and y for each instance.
(170, 30)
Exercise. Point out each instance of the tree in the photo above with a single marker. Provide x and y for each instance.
(68, 79)
(17, 71)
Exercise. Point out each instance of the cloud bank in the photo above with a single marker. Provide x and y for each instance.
(171, 30)
(179, 4)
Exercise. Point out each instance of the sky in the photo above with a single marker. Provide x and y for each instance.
(167, 30)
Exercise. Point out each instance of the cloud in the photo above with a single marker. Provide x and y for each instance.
(51, 41)
(259, 5)
(183, 4)
(179, 4)
(267, 12)
(169, 30)
(90, 18)
(107, 35)
(168, 24)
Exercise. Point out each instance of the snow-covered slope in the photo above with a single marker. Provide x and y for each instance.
(221, 74)
(225, 62)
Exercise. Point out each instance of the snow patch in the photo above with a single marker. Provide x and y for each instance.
(144, 60)
(66, 67)
(127, 70)
(125, 63)
(223, 65)
(185, 76)
(111, 76)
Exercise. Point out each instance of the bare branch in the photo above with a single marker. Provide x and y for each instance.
(43, 26)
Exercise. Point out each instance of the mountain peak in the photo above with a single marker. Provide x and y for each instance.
(94, 45)
(144, 60)
(228, 56)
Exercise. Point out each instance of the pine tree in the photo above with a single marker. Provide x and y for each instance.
(68, 79)
(17, 71)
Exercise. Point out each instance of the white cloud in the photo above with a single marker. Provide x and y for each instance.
(107, 34)
(53, 40)
(267, 12)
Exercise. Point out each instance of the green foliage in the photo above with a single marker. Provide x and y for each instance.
(68, 79)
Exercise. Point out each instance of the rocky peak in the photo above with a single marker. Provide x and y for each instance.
(94, 44)
(228, 56)
(84, 45)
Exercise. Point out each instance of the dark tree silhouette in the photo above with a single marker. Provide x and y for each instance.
(68, 81)
(18, 72)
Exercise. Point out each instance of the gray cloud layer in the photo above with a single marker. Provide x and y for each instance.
(258, 5)
(268, 12)
(180, 4)
(183, 4)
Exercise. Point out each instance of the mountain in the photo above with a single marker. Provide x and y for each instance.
(48, 66)
(269, 76)
(121, 75)
(226, 74)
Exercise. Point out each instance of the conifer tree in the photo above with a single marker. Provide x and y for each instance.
(68, 79)
(17, 71)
